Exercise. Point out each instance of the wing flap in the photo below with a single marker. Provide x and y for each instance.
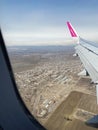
(90, 61)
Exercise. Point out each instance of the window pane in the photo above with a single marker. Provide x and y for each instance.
(41, 54)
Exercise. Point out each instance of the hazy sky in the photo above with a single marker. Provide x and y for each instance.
(44, 21)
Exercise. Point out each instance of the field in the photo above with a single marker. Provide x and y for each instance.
(72, 112)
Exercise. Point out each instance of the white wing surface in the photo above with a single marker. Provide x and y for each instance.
(88, 53)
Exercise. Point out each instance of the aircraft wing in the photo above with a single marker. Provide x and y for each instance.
(88, 53)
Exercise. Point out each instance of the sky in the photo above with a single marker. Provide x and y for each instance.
(43, 22)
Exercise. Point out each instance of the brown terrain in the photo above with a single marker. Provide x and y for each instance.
(49, 85)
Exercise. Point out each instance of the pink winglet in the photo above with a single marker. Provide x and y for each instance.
(71, 29)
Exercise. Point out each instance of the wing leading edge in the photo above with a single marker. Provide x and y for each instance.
(88, 53)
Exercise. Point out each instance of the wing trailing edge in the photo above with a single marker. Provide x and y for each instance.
(88, 53)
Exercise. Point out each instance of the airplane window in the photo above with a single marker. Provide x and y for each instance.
(51, 78)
